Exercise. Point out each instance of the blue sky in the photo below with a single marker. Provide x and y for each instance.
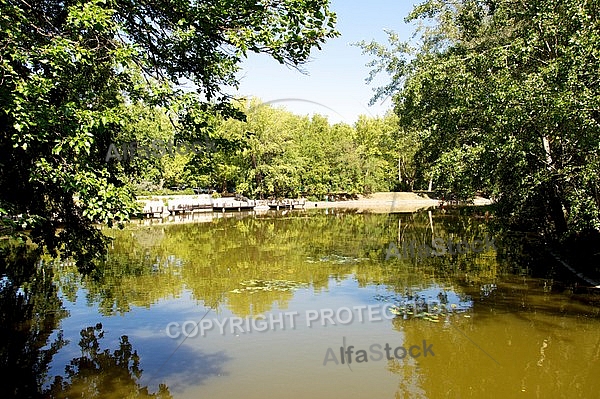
(336, 74)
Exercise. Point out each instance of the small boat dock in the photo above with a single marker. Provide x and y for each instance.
(287, 204)
(157, 208)
(229, 204)
(178, 206)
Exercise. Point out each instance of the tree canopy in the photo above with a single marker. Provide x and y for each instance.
(287, 155)
(504, 97)
(70, 71)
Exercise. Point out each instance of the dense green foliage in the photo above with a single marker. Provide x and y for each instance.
(275, 153)
(74, 74)
(504, 97)
(499, 97)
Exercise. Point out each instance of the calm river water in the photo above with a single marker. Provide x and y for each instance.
(304, 304)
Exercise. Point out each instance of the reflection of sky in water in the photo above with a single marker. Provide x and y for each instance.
(429, 303)
(435, 295)
(216, 355)
(255, 364)
(145, 328)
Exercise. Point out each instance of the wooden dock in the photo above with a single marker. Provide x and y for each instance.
(287, 204)
(156, 208)
(152, 209)
(229, 204)
(178, 206)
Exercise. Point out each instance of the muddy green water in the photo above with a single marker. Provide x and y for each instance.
(480, 325)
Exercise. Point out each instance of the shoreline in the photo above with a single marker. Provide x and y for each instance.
(387, 203)
(380, 202)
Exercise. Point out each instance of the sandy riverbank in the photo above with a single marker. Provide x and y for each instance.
(386, 202)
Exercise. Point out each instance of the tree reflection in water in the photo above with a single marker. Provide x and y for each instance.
(30, 311)
(101, 374)
(30, 315)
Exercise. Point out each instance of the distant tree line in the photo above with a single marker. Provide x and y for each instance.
(273, 153)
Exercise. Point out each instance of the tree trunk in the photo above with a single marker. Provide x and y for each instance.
(557, 213)
(400, 170)
(552, 192)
